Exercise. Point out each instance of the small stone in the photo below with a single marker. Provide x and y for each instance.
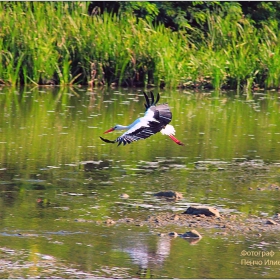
(173, 234)
(276, 216)
(202, 210)
(191, 234)
(175, 218)
(169, 194)
(271, 222)
(274, 186)
(109, 222)
(129, 220)
(124, 196)
(80, 220)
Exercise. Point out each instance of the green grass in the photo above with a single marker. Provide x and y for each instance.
(44, 42)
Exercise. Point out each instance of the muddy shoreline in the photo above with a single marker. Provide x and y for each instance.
(226, 224)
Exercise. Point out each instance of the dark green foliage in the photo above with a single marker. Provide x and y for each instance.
(261, 12)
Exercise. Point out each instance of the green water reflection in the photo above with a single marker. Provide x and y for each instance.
(59, 182)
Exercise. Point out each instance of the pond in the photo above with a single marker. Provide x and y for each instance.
(60, 185)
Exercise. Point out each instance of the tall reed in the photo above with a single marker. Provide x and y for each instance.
(58, 43)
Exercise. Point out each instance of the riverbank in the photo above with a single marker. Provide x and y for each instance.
(32, 264)
(122, 50)
(226, 224)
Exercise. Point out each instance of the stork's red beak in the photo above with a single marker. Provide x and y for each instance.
(109, 130)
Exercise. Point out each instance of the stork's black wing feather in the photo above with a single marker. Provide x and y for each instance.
(106, 140)
(162, 114)
(153, 102)
(142, 132)
(147, 105)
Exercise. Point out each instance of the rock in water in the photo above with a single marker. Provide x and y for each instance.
(124, 196)
(205, 210)
(191, 234)
(271, 222)
(169, 194)
(173, 234)
(109, 222)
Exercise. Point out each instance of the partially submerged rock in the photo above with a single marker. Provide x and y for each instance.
(191, 234)
(109, 222)
(169, 194)
(276, 216)
(271, 222)
(202, 210)
(173, 234)
(124, 196)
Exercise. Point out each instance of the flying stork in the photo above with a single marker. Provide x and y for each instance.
(156, 119)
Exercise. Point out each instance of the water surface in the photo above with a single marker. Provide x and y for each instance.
(59, 183)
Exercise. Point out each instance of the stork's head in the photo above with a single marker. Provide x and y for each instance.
(116, 127)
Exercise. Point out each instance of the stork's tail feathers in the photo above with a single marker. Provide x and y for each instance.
(153, 103)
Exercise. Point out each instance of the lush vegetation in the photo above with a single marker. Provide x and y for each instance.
(196, 44)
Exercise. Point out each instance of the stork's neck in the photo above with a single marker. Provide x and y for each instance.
(121, 127)
(126, 127)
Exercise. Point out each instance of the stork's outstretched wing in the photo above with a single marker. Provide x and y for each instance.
(137, 132)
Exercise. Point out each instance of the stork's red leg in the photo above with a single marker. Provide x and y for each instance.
(176, 140)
